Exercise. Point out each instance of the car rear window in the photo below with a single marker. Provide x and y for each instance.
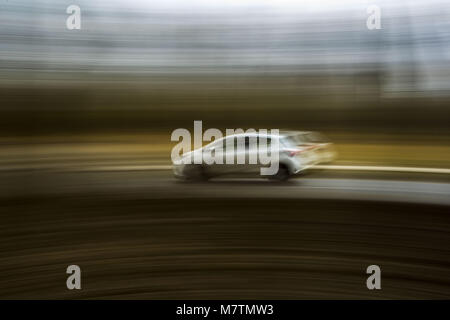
(289, 141)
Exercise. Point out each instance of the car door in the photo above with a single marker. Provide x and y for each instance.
(213, 157)
(224, 150)
(247, 154)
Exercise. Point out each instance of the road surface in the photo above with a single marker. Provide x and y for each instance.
(141, 234)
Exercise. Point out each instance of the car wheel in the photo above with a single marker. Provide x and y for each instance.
(282, 174)
(195, 173)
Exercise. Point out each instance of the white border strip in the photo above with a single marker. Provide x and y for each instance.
(383, 168)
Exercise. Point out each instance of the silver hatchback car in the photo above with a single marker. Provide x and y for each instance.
(290, 157)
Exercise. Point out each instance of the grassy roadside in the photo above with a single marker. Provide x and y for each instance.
(155, 148)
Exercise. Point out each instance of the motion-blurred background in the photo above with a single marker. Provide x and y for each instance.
(111, 93)
(142, 68)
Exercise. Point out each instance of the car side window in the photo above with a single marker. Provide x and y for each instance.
(268, 141)
(217, 145)
(229, 141)
(251, 143)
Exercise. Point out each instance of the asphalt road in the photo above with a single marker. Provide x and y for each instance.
(397, 187)
(139, 234)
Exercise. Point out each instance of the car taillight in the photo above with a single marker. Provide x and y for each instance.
(293, 152)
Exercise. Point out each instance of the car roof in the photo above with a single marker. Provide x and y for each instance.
(282, 133)
(252, 134)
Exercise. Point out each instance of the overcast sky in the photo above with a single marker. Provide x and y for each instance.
(221, 35)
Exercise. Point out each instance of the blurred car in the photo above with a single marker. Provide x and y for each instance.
(322, 149)
(292, 158)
